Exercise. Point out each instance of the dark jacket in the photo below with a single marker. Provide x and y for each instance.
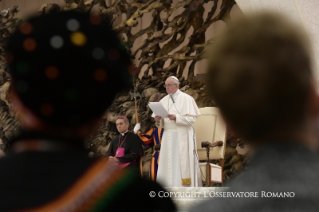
(30, 179)
(284, 175)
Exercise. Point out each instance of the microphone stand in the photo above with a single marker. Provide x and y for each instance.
(194, 136)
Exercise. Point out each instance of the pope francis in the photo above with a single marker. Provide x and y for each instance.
(176, 163)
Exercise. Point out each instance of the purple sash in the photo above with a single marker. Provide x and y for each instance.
(119, 153)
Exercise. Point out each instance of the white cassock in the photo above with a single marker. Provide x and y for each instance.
(176, 162)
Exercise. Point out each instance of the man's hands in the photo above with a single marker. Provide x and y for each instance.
(158, 119)
(113, 159)
(170, 116)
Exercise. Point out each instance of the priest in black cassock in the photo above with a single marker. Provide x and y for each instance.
(125, 149)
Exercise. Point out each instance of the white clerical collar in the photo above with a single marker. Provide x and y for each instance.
(176, 93)
(124, 133)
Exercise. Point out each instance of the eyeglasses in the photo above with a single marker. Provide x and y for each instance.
(168, 85)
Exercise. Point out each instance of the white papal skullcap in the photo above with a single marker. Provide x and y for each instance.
(175, 78)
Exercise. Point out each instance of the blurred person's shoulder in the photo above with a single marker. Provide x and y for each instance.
(141, 194)
(121, 190)
(277, 179)
(51, 178)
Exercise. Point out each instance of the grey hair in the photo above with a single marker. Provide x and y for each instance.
(123, 118)
(175, 79)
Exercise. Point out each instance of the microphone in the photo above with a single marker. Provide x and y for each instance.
(171, 95)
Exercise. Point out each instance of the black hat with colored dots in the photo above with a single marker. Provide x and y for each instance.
(67, 67)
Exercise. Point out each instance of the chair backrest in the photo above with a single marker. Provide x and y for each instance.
(210, 127)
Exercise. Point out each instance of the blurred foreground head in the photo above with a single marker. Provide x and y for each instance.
(260, 75)
(67, 67)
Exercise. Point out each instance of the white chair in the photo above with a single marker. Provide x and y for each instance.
(211, 127)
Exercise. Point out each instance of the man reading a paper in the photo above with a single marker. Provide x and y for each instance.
(176, 163)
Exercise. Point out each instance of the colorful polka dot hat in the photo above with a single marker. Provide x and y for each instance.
(67, 67)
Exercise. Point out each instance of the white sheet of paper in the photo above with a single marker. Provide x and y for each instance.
(158, 109)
